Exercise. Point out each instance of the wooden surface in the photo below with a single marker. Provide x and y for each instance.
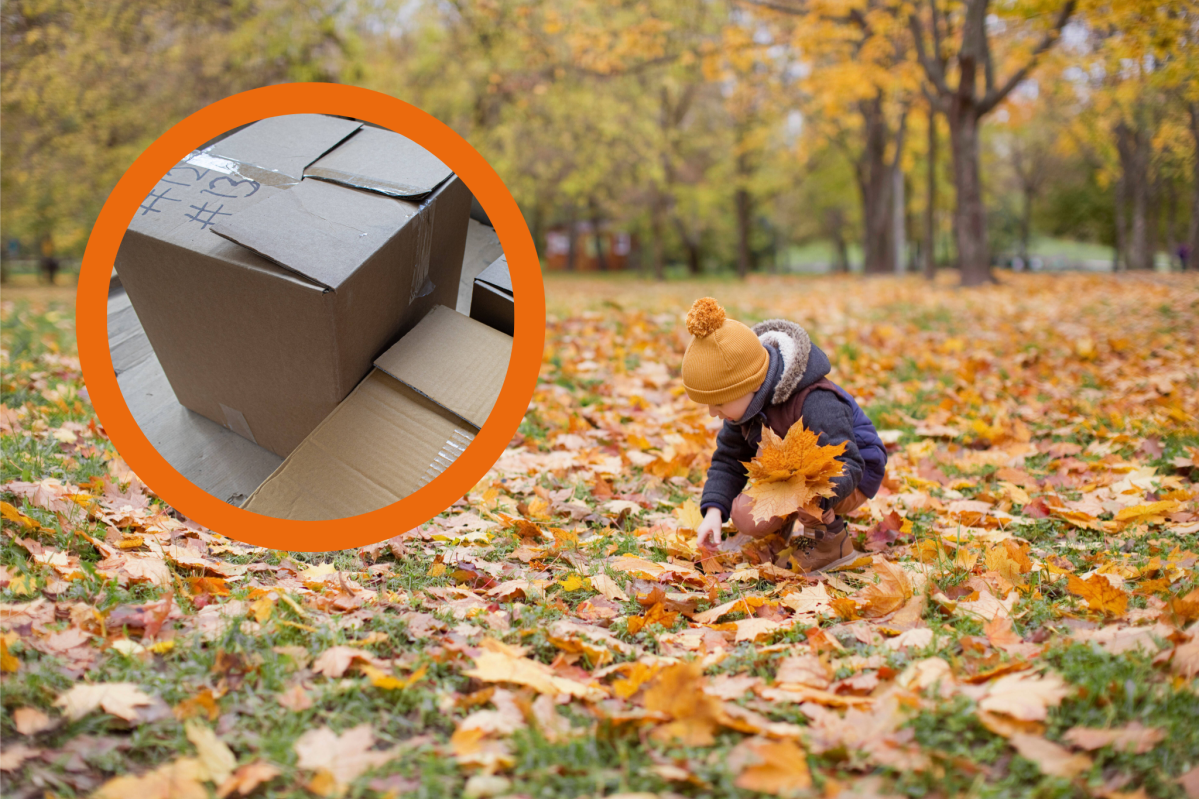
(213, 458)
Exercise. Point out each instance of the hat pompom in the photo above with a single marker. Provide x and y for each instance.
(705, 317)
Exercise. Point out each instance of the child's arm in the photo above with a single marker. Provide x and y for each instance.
(727, 474)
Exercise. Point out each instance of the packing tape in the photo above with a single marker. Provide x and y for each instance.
(422, 286)
(449, 453)
(237, 423)
(204, 159)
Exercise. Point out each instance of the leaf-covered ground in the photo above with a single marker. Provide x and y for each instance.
(1024, 621)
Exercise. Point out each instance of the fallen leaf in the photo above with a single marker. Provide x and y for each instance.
(343, 757)
(888, 594)
(1025, 696)
(31, 721)
(1051, 758)
(13, 755)
(677, 691)
(608, 587)
(121, 699)
(1133, 738)
(246, 779)
(778, 768)
(1099, 594)
(179, 779)
(214, 756)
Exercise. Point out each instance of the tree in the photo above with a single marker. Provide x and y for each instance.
(964, 105)
(87, 86)
(857, 86)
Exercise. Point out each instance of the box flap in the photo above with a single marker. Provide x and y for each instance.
(384, 162)
(496, 275)
(284, 145)
(382, 443)
(321, 231)
(455, 361)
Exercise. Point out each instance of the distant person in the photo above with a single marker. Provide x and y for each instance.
(1184, 255)
(48, 266)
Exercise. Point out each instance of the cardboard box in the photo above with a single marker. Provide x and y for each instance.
(413, 415)
(271, 269)
(492, 302)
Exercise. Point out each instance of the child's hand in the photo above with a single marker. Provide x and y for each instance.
(709, 529)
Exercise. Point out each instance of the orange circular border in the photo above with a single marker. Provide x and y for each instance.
(92, 316)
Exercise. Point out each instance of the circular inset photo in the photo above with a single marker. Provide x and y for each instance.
(310, 318)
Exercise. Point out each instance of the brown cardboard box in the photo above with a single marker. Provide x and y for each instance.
(492, 302)
(413, 415)
(270, 270)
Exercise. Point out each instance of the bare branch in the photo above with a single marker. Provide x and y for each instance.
(995, 96)
(932, 67)
(797, 8)
(936, 25)
(988, 64)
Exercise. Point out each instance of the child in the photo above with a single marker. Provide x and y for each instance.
(774, 375)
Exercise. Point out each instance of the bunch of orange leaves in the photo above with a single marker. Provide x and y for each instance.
(792, 473)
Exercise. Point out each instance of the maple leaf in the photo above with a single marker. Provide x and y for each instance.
(336, 660)
(1051, 758)
(499, 663)
(677, 691)
(893, 588)
(13, 755)
(31, 721)
(1134, 738)
(341, 757)
(179, 779)
(1185, 660)
(657, 614)
(214, 756)
(608, 587)
(247, 778)
(778, 768)
(1099, 594)
(792, 473)
(121, 699)
(689, 515)
(1025, 696)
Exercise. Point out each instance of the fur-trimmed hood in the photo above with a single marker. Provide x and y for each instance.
(803, 363)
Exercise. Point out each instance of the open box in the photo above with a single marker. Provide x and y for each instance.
(492, 301)
(270, 270)
(412, 416)
(274, 269)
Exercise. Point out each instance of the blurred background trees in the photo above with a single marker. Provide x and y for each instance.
(676, 136)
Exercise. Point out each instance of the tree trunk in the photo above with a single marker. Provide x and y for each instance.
(834, 228)
(930, 212)
(744, 215)
(898, 230)
(691, 244)
(1172, 239)
(572, 252)
(1192, 260)
(596, 220)
(875, 183)
(1026, 224)
(970, 221)
(1120, 256)
(1134, 167)
(656, 224)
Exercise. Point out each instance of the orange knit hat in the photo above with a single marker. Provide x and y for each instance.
(725, 360)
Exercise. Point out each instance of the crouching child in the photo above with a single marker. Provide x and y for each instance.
(773, 375)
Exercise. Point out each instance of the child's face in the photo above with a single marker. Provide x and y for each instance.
(733, 410)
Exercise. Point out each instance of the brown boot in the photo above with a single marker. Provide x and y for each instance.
(815, 549)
